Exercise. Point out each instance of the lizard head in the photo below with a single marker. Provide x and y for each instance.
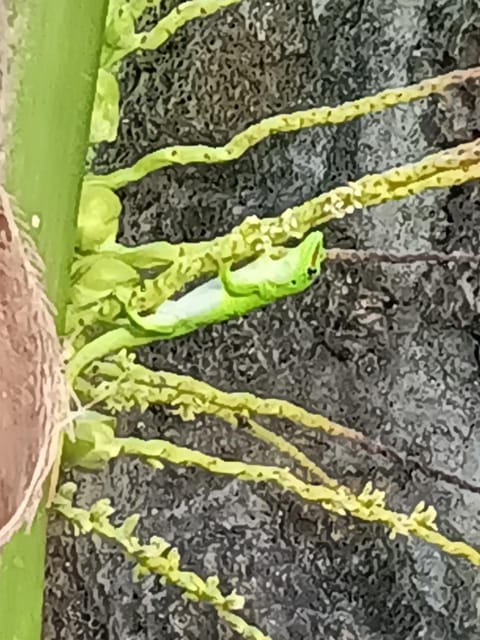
(291, 273)
(305, 261)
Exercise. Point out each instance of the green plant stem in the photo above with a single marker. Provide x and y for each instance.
(163, 30)
(57, 58)
(282, 123)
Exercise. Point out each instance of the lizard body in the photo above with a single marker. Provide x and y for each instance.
(231, 294)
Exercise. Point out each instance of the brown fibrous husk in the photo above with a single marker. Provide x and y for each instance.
(34, 394)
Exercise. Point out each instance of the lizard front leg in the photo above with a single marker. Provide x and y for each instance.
(232, 286)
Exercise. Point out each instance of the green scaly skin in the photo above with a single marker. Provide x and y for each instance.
(232, 294)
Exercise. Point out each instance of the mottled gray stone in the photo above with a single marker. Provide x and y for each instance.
(391, 350)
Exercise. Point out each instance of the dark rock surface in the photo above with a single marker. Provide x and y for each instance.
(391, 350)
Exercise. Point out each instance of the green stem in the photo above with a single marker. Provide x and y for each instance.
(57, 58)
(104, 345)
(282, 123)
(164, 29)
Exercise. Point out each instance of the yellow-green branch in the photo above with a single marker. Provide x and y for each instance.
(137, 386)
(157, 557)
(283, 445)
(132, 385)
(190, 404)
(439, 170)
(282, 123)
(369, 506)
(129, 41)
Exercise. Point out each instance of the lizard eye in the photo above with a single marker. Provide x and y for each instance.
(294, 282)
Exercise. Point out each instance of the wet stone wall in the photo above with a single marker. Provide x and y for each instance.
(391, 350)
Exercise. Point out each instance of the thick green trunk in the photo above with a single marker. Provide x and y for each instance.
(45, 167)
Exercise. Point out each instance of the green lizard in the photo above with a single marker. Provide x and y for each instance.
(231, 294)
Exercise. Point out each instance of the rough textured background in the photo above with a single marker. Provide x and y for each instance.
(391, 350)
